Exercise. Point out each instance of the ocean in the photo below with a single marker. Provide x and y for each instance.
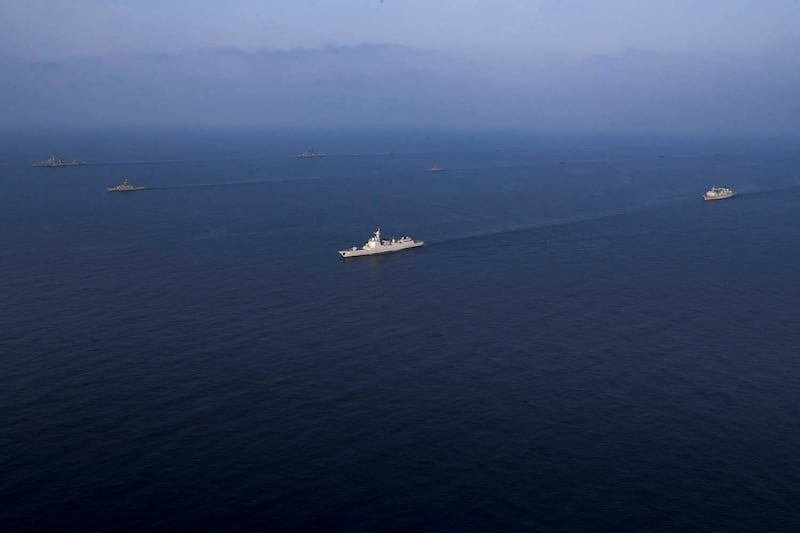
(581, 344)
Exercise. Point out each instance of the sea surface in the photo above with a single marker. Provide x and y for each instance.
(581, 344)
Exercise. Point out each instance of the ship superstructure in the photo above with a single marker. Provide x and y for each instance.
(125, 187)
(377, 245)
(309, 154)
(54, 161)
(718, 193)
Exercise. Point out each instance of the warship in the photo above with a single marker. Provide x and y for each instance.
(58, 162)
(377, 245)
(308, 154)
(718, 193)
(125, 187)
(435, 168)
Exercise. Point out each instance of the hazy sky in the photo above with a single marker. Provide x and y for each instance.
(711, 66)
(54, 29)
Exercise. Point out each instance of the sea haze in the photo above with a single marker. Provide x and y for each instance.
(582, 343)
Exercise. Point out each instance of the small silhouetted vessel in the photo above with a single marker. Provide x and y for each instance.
(308, 154)
(125, 187)
(58, 162)
(718, 193)
(435, 168)
(377, 245)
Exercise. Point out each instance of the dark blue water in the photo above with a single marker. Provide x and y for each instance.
(579, 346)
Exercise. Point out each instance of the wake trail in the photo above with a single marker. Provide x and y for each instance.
(177, 161)
(553, 222)
(577, 219)
(282, 157)
(229, 183)
(767, 190)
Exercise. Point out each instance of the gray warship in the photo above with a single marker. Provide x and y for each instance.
(125, 187)
(377, 245)
(309, 154)
(58, 162)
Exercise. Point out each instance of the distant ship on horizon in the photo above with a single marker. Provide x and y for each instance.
(125, 187)
(308, 154)
(435, 168)
(54, 161)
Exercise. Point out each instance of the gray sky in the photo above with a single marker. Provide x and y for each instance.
(583, 64)
(54, 29)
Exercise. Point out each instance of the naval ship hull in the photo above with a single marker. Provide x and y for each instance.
(384, 249)
(713, 198)
(57, 163)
